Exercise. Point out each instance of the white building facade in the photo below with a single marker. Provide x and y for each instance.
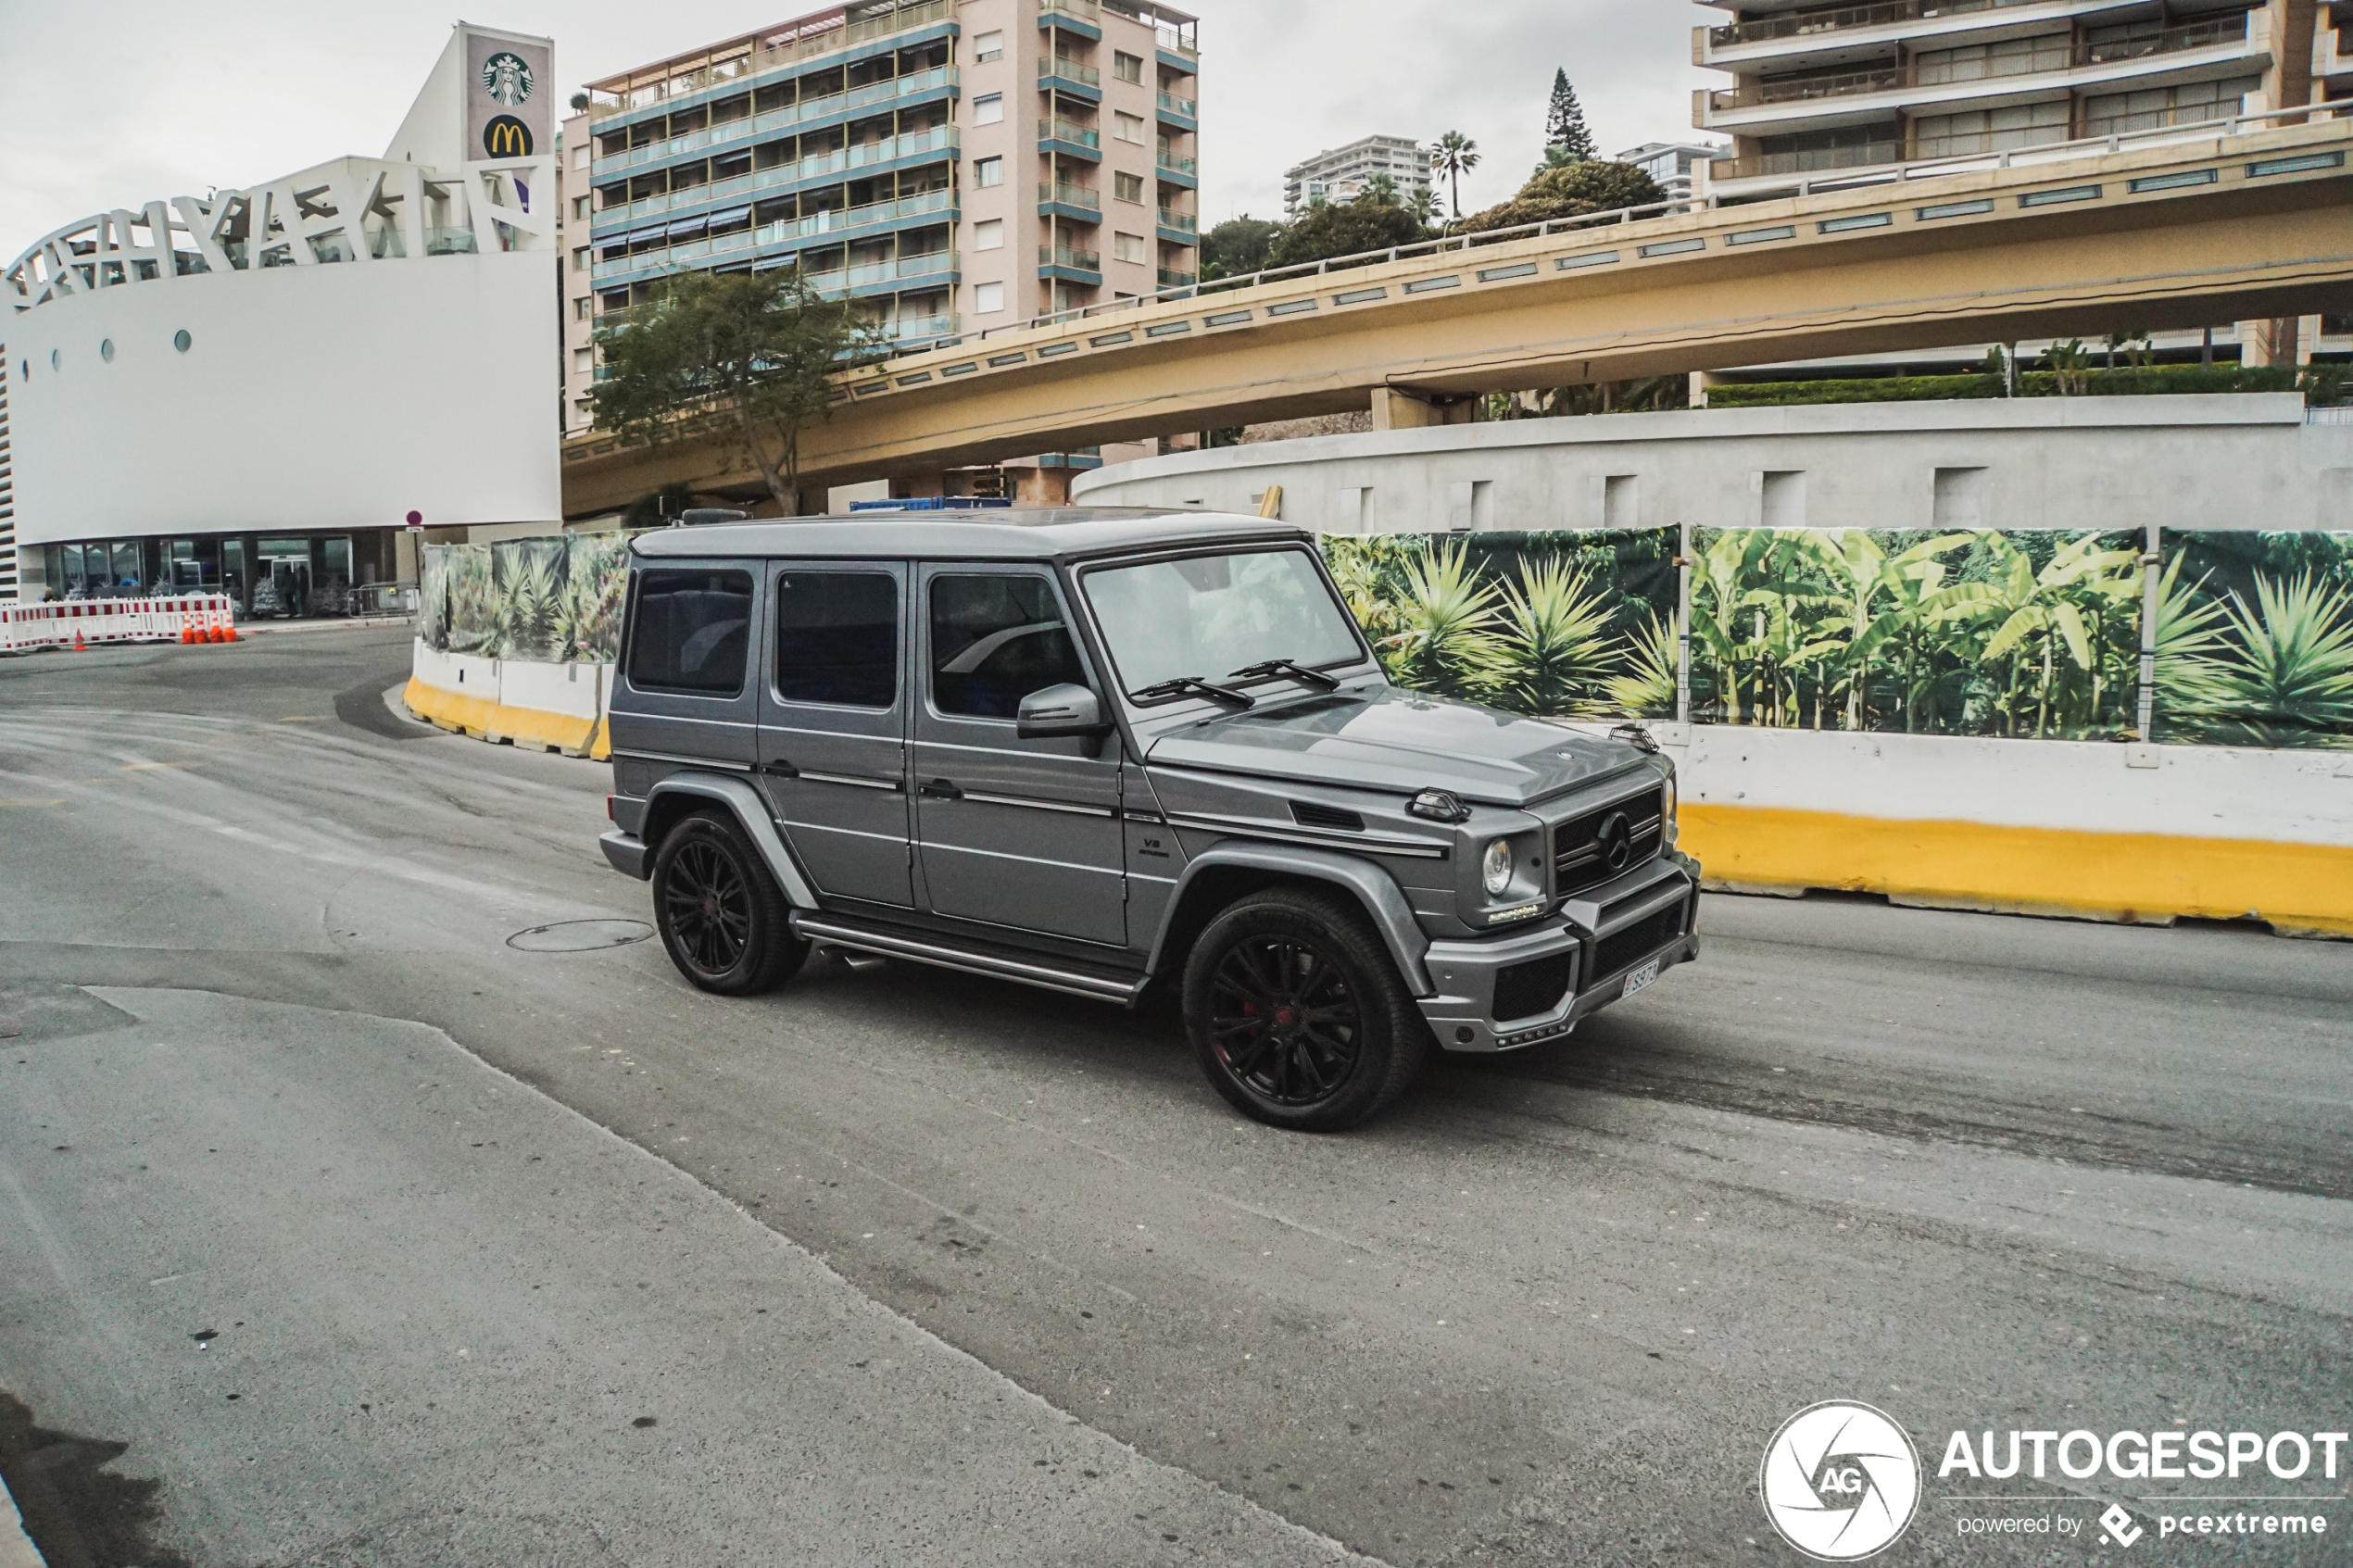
(251, 391)
(1340, 175)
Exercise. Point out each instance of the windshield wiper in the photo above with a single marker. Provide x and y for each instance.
(1292, 667)
(1184, 683)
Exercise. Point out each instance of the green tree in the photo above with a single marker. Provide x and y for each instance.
(1570, 191)
(1423, 204)
(1565, 125)
(1329, 231)
(1444, 643)
(1237, 246)
(1379, 189)
(1554, 652)
(1457, 155)
(744, 359)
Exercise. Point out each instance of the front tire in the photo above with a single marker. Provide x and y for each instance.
(1297, 1015)
(722, 917)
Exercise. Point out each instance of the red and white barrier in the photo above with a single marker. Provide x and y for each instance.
(202, 618)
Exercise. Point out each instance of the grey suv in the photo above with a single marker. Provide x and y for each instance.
(1096, 750)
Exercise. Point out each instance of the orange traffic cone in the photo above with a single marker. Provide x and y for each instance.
(79, 646)
(187, 635)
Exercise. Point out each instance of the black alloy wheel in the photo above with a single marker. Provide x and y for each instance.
(719, 912)
(1284, 1021)
(1296, 1011)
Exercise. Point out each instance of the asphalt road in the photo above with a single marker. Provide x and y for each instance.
(335, 1229)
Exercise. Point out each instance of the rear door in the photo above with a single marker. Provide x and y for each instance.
(694, 640)
(832, 724)
(1018, 834)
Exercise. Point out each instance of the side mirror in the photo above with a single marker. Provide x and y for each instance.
(1054, 712)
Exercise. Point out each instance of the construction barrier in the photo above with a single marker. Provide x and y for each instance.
(205, 618)
(538, 706)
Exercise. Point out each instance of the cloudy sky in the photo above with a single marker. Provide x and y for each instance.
(112, 103)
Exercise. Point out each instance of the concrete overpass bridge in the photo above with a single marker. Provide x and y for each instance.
(2181, 228)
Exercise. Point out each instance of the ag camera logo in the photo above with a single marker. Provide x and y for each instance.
(1841, 1481)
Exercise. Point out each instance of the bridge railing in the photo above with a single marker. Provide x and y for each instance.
(2057, 152)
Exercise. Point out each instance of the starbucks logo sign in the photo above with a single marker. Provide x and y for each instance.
(507, 78)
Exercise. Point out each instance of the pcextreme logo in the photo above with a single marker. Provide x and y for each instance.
(1841, 1481)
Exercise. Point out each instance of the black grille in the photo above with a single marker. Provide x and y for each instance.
(1528, 990)
(1307, 814)
(1590, 849)
(1622, 948)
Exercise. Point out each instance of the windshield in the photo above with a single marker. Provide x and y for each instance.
(1213, 615)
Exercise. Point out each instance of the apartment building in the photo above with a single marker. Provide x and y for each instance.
(1338, 176)
(1671, 163)
(1819, 88)
(954, 165)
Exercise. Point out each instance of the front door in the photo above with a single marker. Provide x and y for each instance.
(833, 725)
(1020, 834)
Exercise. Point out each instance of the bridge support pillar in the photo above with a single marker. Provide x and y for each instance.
(1393, 409)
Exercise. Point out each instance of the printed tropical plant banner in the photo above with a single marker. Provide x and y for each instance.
(1562, 624)
(2255, 640)
(555, 599)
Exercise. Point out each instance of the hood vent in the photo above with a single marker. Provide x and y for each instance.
(1307, 814)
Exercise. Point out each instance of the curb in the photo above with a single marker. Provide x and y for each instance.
(17, 1549)
(500, 725)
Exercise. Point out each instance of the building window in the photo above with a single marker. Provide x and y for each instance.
(987, 46)
(1992, 130)
(987, 298)
(2112, 113)
(1127, 187)
(988, 171)
(988, 108)
(1126, 67)
(1128, 127)
(2013, 57)
(584, 308)
(580, 262)
(580, 156)
(580, 206)
(990, 235)
(1128, 248)
(584, 360)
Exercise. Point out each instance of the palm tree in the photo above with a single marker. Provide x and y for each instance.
(1380, 190)
(1646, 689)
(1422, 205)
(2289, 681)
(1457, 156)
(1444, 644)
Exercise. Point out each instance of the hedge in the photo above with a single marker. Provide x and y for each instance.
(2319, 384)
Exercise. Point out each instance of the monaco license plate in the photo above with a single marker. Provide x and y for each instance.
(1639, 978)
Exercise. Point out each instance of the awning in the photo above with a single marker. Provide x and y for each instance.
(639, 236)
(732, 215)
(687, 226)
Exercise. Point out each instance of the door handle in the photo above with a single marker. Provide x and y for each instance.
(780, 769)
(939, 789)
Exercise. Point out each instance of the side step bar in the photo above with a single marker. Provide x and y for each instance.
(1102, 987)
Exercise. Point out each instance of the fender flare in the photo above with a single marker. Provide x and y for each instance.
(751, 814)
(1373, 888)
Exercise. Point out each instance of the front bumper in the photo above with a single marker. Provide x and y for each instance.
(1572, 965)
(626, 853)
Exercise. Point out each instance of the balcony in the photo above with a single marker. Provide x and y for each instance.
(809, 111)
(1180, 169)
(679, 78)
(1807, 24)
(1172, 278)
(1084, 17)
(1080, 204)
(838, 220)
(917, 329)
(1070, 139)
(1060, 73)
(1179, 228)
(1182, 113)
(1070, 265)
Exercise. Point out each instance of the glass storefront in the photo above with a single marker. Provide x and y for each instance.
(268, 575)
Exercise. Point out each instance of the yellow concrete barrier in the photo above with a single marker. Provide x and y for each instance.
(2300, 888)
(489, 720)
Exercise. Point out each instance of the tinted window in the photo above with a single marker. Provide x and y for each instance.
(837, 638)
(995, 640)
(693, 631)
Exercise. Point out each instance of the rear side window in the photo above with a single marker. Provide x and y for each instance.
(995, 640)
(693, 632)
(837, 638)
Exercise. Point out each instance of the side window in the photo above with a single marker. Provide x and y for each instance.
(693, 632)
(994, 640)
(837, 638)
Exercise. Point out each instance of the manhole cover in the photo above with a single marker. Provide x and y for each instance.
(580, 936)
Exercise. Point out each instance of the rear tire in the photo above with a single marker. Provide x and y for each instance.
(722, 917)
(1297, 1013)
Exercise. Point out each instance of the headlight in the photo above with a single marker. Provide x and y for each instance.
(1495, 867)
(1667, 823)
